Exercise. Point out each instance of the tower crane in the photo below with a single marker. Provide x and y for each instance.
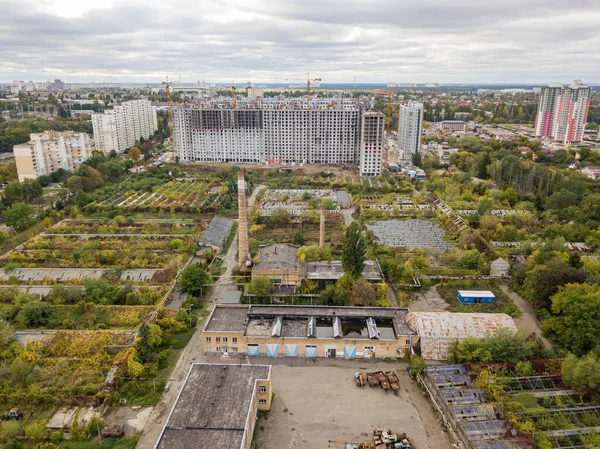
(308, 81)
(232, 87)
(167, 85)
(389, 94)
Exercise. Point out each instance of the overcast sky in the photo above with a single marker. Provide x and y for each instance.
(448, 41)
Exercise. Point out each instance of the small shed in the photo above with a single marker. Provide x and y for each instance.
(232, 297)
(476, 296)
(499, 267)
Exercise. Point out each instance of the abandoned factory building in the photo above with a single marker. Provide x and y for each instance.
(308, 331)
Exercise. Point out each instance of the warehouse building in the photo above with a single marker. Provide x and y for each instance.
(308, 331)
(217, 407)
(438, 331)
(215, 236)
(333, 271)
(279, 263)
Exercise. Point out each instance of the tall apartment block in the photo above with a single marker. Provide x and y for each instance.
(118, 129)
(409, 129)
(49, 151)
(314, 136)
(562, 112)
(372, 143)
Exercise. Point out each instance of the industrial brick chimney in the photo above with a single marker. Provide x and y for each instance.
(243, 251)
(322, 232)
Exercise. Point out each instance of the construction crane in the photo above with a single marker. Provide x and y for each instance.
(308, 81)
(389, 94)
(232, 87)
(167, 85)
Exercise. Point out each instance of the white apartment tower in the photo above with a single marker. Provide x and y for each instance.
(562, 112)
(409, 129)
(311, 136)
(118, 129)
(372, 143)
(49, 151)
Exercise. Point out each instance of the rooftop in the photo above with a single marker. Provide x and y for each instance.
(244, 319)
(439, 330)
(217, 231)
(212, 407)
(477, 293)
(231, 297)
(343, 196)
(333, 270)
(279, 256)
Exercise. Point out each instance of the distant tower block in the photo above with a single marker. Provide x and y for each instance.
(243, 222)
(322, 232)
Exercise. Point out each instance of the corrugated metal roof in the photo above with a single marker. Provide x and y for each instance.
(439, 330)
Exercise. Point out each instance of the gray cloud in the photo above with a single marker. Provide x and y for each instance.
(271, 40)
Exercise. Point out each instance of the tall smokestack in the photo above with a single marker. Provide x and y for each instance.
(322, 232)
(243, 222)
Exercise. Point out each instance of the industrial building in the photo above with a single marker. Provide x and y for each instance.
(308, 331)
(562, 112)
(216, 234)
(120, 128)
(410, 123)
(49, 151)
(217, 407)
(438, 331)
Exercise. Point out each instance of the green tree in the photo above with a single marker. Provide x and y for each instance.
(19, 216)
(417, 159)
(261, 287)
(362, 293)
(582, 373)
(151, 335)
(576, 310)
(542, 281)
(25, 192)
(510, 196)
(135, 154)
(193, 280)
(354, 251)
(310, 253)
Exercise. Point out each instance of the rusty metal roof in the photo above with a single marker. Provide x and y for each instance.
(439, 330)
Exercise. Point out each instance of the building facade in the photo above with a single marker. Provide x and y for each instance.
(409, 129)
(120, 128)
(313, 136)
(49, 151)
(450, 126)
(562, 112)
(372, 143)
(307, 331)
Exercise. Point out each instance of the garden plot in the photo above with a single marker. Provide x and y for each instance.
(176, 195)
(297, 201)
(410, 234)
(140, 227)
(123, 252)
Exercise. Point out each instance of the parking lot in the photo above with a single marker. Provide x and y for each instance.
(315, 404)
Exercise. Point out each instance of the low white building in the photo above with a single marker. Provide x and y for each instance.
(592, 172)
(49, 151)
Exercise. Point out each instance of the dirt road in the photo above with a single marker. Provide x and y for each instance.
(528, 322)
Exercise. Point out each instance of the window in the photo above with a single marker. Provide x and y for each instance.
(218, 339)
(407, 342)
(262, 401)
(207, 339)
(234, 349)
(224, 339)
(218, 349)
(262, 389)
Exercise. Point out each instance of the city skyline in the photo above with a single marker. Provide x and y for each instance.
(465, 42)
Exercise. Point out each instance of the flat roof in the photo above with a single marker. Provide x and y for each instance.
(477, 293)
(217, 231)
(334, 270)
(230, 318)
(227, 318)
(278, 256)
(212, 407)
(343, 197)
(231, 297)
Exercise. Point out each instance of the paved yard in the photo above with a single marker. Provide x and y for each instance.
(428, 301)
(315, 404)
